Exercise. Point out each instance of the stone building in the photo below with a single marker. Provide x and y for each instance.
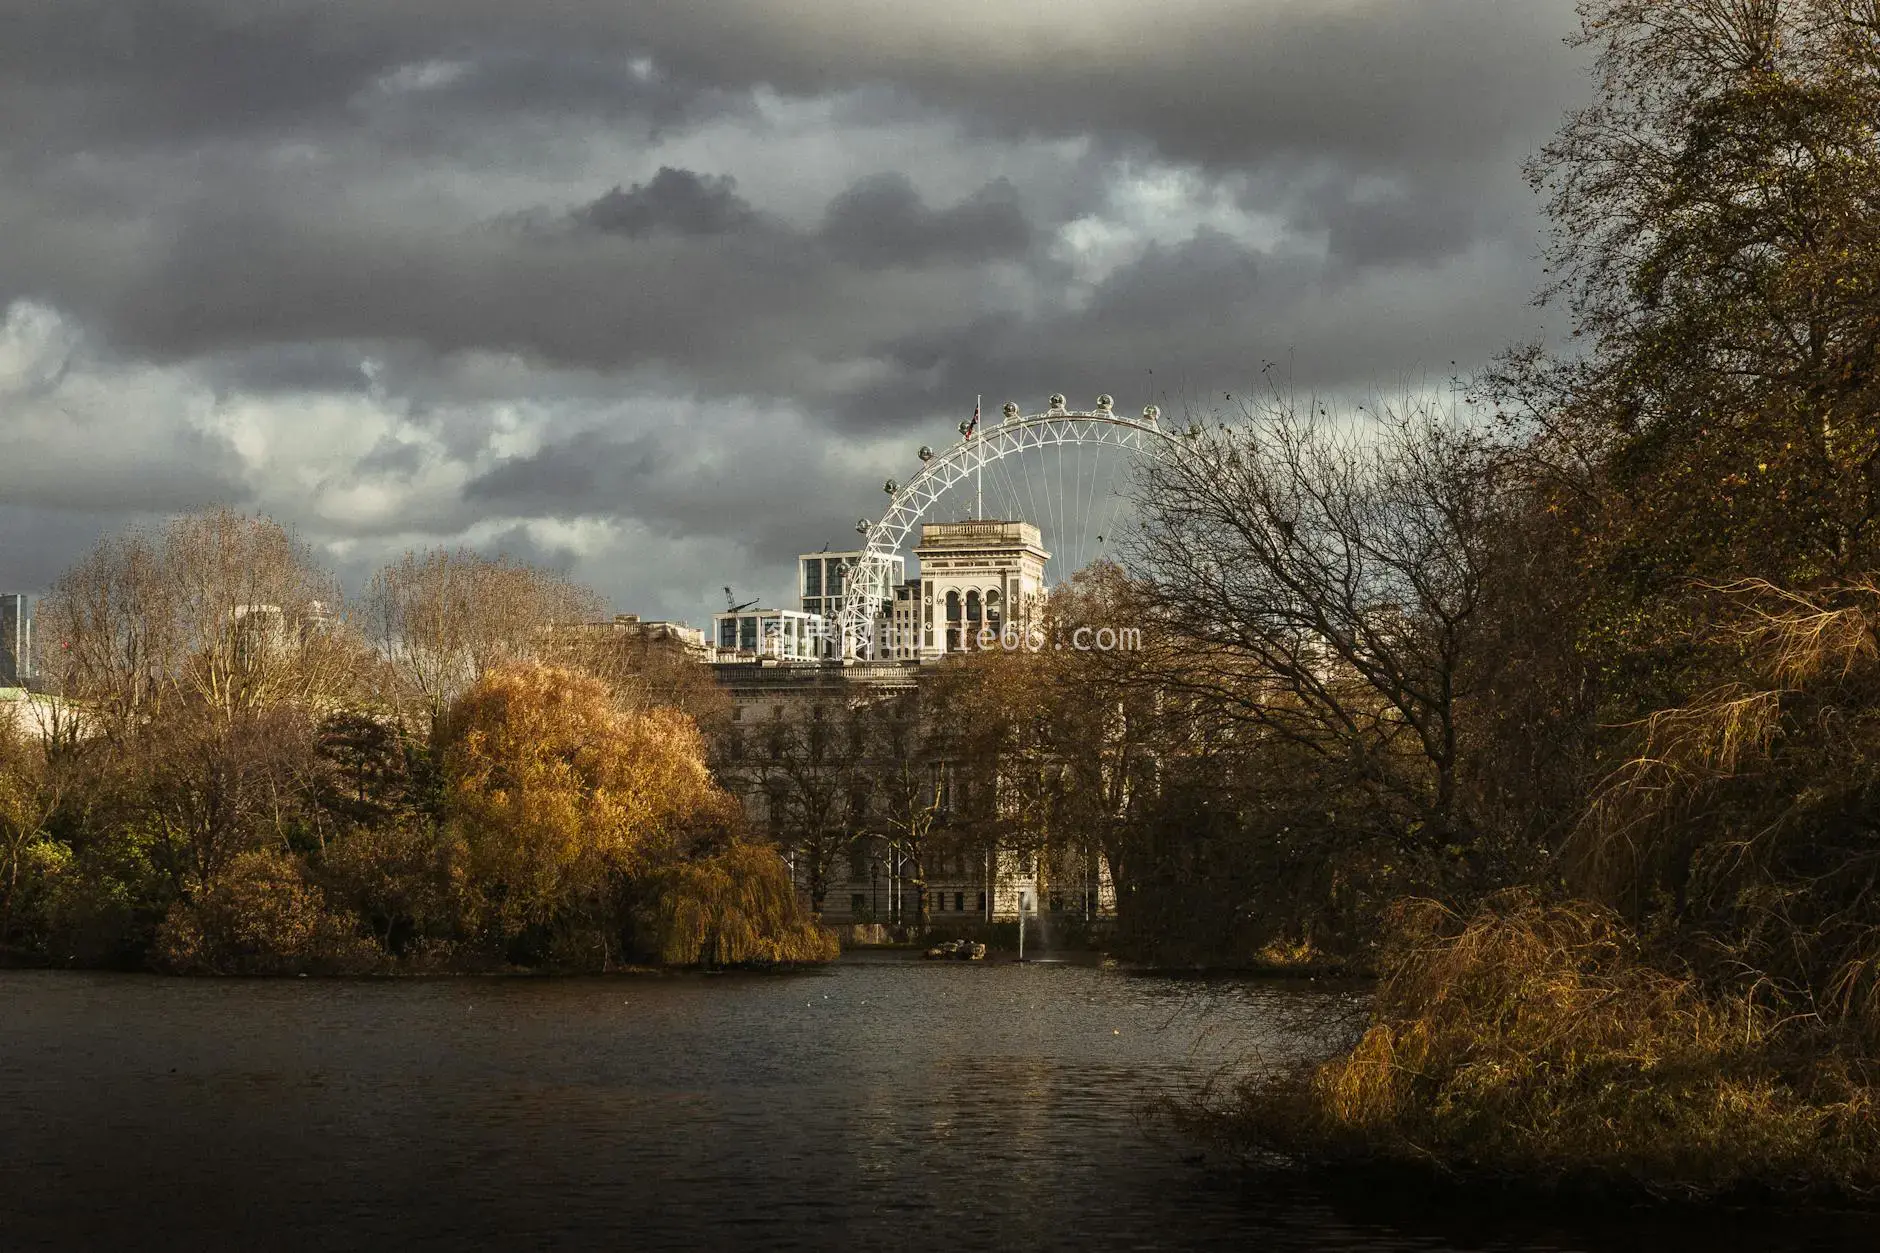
(977, 579)
(850, 742)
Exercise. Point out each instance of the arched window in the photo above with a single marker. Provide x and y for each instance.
(993, 617)
(953, 606)
(972, 606)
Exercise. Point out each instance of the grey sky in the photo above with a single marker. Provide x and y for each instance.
(661, 292)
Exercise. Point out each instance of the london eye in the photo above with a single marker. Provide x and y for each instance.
(1064, 470)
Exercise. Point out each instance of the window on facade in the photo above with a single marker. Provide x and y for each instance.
(972, 606)
(812, 576)
(982, 903)
(747, 634)
(727, 633)
(953, 606)
(959, 902)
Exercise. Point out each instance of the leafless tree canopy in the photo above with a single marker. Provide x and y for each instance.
(441, 620)
(216, 609)
(1327, 575)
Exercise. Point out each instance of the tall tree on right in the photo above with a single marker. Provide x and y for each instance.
(1713, 461)
(1716, 239)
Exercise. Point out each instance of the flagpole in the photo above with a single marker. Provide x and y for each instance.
(979, 473)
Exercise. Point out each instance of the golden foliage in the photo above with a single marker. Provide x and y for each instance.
(732, 909)
(1798, 638)
(1532, 1039)
(573, 810)
(261, 916)
(556, 789)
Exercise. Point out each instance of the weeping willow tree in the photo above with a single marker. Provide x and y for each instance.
(579, 820)
(734, 908)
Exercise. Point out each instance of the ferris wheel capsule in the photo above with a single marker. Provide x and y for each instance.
(1105, 403)
(1150, 413)
(863, 526)
(926, 453)
(1057, 402)
(1011, 410)
(891, 487)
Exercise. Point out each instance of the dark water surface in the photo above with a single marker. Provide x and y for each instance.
(882, 1103)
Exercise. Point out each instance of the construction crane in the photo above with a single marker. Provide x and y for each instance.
(732, 606)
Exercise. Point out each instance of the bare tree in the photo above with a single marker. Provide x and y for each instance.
(202, 653)
(216, 609)
(1323, 579)
(442, 620)
(814, 773)
(647, 670)
(912, 792)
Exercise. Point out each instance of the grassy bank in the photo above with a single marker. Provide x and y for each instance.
(1538, 1044)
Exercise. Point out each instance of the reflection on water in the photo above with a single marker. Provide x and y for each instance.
(882, 1102)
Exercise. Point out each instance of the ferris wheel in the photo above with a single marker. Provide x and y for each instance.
(1018, 468)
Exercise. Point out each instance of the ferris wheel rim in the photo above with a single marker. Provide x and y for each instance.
(1055, 427)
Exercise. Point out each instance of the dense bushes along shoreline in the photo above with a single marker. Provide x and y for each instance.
(240, 781)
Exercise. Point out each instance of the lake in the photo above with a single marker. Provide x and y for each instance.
(883, 1102)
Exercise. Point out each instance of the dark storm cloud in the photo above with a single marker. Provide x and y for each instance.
(1185, 321)
(291, 367)
(1398, 228)
(882, 221)
(268, 270)
(155, 71)
(784, 488)
(255, 261)
(1218, 81)
(517, 544)
(547, 77)
(562, 476)
(433, 232)
(90, 463)
(675, 274)
(674, 200)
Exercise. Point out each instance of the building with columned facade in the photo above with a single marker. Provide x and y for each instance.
(977, 580)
